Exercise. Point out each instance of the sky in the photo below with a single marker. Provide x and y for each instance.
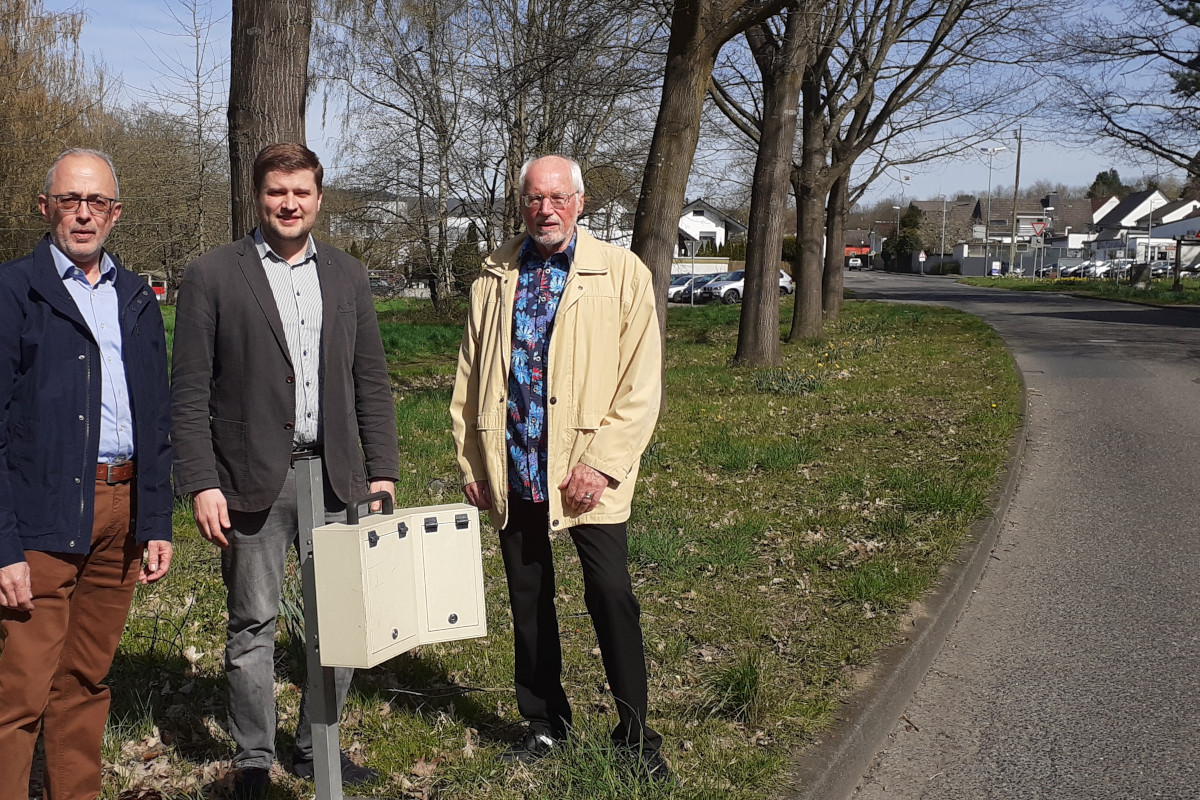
(118, 33)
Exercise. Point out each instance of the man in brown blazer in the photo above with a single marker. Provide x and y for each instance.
(277, 353)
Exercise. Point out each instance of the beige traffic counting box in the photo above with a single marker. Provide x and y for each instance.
(392, 582)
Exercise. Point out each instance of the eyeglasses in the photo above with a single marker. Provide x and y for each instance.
(95, 204)
(557, 201)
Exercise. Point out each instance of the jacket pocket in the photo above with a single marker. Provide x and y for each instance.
(587, 420)
(232, 454)
(491, 421)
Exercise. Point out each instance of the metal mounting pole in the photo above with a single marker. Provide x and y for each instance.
(322, 695)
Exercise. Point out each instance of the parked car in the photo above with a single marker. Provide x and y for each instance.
(1075, 270)
(386, 284)
(854, 263)
(786, 284)
(730, 287)
(693, 288)
(678, 282)
(1047, 270)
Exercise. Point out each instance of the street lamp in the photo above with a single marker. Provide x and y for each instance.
(1149, 235)
(942, 252)
(896, 244)
(987, 223)
(875, 238)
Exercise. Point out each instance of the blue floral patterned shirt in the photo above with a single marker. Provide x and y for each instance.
(540, 284)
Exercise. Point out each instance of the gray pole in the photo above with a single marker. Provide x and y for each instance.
(942, 251)
(1012, 244)
(322, 698)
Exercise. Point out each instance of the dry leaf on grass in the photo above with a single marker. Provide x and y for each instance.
(425, 769)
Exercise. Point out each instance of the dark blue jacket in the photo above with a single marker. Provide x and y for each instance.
(50, 410)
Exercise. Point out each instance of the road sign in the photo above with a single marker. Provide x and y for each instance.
(1039, 228)
(921, 257)
(1037, 241)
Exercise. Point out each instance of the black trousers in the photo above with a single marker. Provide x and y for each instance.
(608, 593)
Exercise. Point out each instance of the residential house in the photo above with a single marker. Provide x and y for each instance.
(702, 222)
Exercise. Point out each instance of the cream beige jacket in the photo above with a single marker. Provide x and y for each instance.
(603, 377)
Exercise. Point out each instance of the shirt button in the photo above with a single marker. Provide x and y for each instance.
(289, 379)
(554, 524)
(288, 426)
(553, 400)
(81, 417)
(81, 357)
(71, 543)
(77, 480)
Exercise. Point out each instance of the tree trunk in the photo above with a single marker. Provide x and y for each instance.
(268, 86)
(690, 59)
(835, 247)
(807, 183)
(781, 68)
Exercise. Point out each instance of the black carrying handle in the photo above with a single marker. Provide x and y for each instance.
(353, 506)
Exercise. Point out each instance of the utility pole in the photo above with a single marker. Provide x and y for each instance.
(1012, 244)
(987, 223)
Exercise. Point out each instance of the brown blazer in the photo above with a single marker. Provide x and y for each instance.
(232, 382)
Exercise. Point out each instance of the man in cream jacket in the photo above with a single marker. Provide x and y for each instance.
(557, 393)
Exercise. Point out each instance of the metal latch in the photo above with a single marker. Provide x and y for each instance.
(431, 524)
(461, 521)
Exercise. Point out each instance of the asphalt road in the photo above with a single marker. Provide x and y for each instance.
(1074, 673)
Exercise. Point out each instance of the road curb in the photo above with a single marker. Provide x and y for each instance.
(834, 764)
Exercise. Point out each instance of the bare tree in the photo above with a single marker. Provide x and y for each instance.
(405, 67)
(268, 88)
(779, 55)
(1134, 67)
(449, 97)
(42, 109)
(878, 66)
(699, 28)
(179, 146)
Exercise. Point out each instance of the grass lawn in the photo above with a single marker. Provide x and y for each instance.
(785, 519)
(1159, 293)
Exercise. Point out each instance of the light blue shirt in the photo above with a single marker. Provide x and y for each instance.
(297, 293)
(98, 305)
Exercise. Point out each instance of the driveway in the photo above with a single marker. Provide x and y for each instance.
(1074, 673)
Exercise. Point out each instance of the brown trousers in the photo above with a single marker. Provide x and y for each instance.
(53, 660)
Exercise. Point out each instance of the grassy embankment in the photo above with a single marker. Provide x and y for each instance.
(1160, 292)
(785, 520)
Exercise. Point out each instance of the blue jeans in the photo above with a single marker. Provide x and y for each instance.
(253, 568)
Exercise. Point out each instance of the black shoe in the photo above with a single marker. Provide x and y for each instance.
(251, 783)
(534, 745)
(352, 774)
(655, 767)
(649, 765)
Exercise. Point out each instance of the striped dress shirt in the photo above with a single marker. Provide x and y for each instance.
(298, 297)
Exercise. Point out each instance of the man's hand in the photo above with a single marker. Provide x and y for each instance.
(479, 494)
(212, 515)
(157, 561)
(582, 489)
(386, 485)
(15, 588)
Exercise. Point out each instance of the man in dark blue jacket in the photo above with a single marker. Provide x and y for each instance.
(85, 488)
